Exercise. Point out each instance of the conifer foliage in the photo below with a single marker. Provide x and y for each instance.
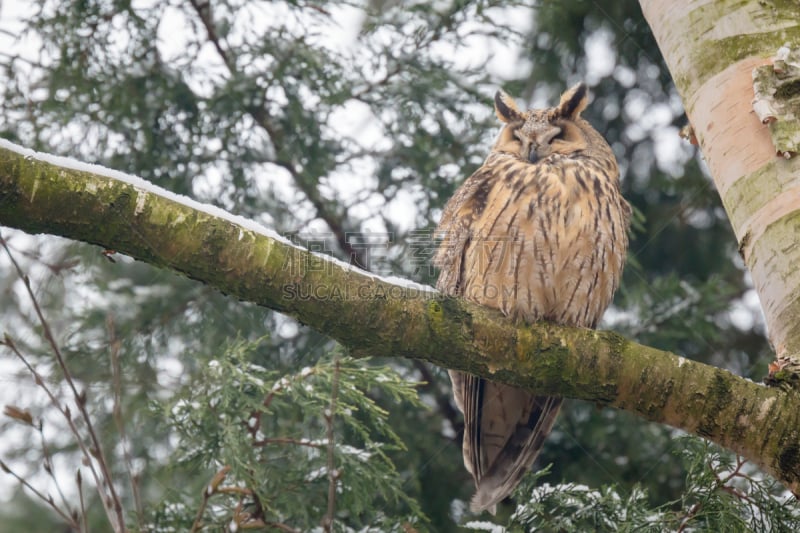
(136, 400)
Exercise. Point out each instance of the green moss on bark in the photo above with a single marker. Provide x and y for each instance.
(378, 318)
(729, 31)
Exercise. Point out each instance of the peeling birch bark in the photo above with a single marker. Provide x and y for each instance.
(777, 99)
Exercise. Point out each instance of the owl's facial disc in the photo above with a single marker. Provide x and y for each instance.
(537, 141)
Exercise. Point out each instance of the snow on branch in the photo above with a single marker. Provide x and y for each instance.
(374, 316)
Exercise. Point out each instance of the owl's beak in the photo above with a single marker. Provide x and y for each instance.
(542, 147)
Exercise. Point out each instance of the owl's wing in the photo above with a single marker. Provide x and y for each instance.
(455, 229)
(504, 430)
(504, 427)
(511, 425)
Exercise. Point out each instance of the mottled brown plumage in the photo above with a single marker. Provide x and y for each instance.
(539, 231)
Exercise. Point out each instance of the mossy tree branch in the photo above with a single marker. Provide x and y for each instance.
(372, 316)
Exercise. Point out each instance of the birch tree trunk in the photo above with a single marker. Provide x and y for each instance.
(712, 49)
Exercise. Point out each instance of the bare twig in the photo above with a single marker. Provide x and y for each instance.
(203, 10)
(84, 514)
(116, 376)
(111, 504)
(55, 268)
(333, 474)
(70, 520)
(209, 491)
(67, 414)
(24, 416)
(241, 518)
(721, 484)
(48, 465)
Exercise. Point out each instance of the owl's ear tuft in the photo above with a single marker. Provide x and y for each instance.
(506, 108)
(573, 101)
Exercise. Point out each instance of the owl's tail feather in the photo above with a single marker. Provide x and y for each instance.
(517, 456)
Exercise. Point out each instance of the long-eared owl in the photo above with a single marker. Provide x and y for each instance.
(539, 232)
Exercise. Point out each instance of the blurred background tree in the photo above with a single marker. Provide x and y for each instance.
(345, 126)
